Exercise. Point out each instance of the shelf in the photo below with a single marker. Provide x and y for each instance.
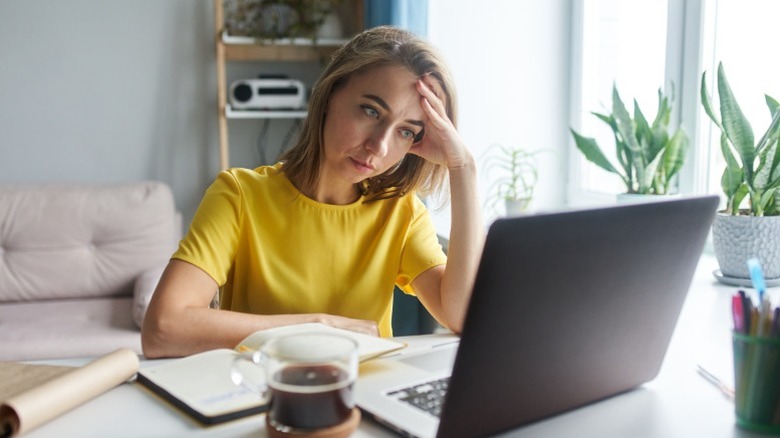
(250, 41)
(230, 113)
(241, 48)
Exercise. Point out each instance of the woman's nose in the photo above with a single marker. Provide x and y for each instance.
(379, 142)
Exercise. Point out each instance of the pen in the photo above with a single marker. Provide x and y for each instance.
(746, 310)
(765, 308)
(757, 277)
(738, 314)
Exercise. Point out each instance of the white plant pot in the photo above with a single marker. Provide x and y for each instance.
(739, 238)
(635, 198)
(516, 207)
(331, 27)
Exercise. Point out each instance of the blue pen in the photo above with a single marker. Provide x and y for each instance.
(757, 277)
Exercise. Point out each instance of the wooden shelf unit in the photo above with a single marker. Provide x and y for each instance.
(247, 49)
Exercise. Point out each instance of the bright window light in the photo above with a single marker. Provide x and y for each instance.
(739, 34)
(624, 42)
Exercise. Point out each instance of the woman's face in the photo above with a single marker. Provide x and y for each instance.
(371, 123)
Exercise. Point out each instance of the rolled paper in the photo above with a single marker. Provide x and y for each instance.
(29, 409)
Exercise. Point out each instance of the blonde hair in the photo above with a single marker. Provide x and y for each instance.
(379, 46)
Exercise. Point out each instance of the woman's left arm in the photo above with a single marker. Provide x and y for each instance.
(446, 290)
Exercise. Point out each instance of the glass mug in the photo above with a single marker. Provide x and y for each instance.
(308, 379)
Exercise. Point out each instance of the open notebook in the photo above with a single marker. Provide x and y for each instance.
(200, 384)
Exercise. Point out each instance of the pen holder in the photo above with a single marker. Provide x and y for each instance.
(757, 383)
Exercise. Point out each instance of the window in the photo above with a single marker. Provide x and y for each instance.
(644, 44)
(620, 42)
(738, 34)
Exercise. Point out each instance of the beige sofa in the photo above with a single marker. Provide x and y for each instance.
(78, 265)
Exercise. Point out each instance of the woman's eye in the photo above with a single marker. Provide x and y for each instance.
(370, 111)
(407, 134)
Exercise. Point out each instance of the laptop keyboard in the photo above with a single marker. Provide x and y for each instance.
(428, 396)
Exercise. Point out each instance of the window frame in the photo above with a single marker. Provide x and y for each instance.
(684, 43)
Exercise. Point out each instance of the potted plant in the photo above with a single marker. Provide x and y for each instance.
(514, 176)
(751, 177)
(647, 155)
(270, 19)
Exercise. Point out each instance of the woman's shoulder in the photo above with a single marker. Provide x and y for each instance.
(409, 203)
(244, 182)
(260, 172)
(259, 176)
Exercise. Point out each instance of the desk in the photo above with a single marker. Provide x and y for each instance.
(678, 403)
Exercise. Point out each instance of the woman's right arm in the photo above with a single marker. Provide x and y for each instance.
(179, 321)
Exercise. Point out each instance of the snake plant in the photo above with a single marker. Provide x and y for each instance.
(648, 157)
(752, 169)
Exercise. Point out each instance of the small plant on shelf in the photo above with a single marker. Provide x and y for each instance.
(272, 19)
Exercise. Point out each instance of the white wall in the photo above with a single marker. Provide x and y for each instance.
(511, 65)
(96, 91)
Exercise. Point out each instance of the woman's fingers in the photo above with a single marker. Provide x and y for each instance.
(355, 325)
(435, 106)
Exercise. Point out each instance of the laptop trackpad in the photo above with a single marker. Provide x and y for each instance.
(438, 359)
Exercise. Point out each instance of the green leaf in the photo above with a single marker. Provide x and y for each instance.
(663, 115)
(646, 183)
(706, 101)
(771, 132)
(732, 174)
(592, 152)
(772, 207)
(626, 129)
(761, 202)
(644, 134)
(771, 103)
(606, 119)
(674, 155)
(768, 156)
(735, 125)
(774, 175)
(739, 195)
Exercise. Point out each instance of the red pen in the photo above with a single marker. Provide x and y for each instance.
(738, 313)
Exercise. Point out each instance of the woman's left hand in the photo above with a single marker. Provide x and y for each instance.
(441, 143)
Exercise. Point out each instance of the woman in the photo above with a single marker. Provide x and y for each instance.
(324, 235)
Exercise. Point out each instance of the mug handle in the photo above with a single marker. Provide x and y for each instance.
(239, 378)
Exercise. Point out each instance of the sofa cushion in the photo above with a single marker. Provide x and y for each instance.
(80, 241)
(66, 328)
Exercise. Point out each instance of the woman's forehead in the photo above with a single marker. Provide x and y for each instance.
(394, 83)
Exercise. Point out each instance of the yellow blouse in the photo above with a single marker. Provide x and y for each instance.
(272, 250)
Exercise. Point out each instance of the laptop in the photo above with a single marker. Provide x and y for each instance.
(568, 308)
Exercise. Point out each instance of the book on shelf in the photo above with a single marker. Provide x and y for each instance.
(200, 384)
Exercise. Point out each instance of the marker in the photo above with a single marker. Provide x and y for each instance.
(738, 313)
(747, 310)
(757, 277)
(764, 310)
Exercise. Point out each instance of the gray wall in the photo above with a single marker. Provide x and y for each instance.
(109, 91)
(123, 90)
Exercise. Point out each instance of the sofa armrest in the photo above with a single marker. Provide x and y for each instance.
(143, 289)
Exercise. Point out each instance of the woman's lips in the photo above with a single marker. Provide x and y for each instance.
(362, 166)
